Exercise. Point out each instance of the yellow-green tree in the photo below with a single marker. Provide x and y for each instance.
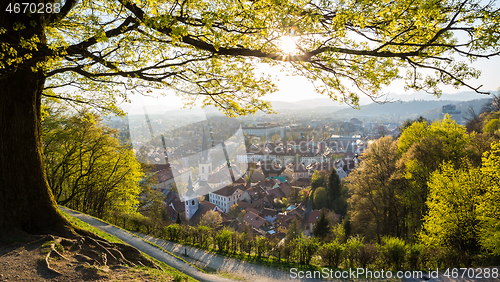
(109, 49)
(375, 204)
(211, 219)
(422, 149)
(451, 222)
(320, 198)
(488, 204)
(234, 210)
(87, 169)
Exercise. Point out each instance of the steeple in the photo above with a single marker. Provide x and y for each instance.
(204, 164)
(204, 149)
(190, 191)
(191, 201)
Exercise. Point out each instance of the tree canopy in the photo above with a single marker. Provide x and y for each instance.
(211, 47)
(87, 169)
(99, 52)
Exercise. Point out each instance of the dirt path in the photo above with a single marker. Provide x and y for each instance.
(247, 271)
(203, 259)
(147, 248)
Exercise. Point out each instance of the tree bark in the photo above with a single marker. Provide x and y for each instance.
(26, 201)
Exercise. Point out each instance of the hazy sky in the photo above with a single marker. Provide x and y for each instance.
(294, 89)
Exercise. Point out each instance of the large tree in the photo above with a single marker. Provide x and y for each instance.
(423, 148)
(451, 222)
(375, 188)
(109, 49)
(87, 168)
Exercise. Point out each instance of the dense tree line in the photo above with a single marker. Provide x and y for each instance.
(436, 186)
(87, 168)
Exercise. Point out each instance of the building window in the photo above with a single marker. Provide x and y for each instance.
(193, 202)
(202, 169)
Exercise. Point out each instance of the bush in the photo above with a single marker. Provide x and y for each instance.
(306, 249)
(173, 232)
(367, 255)
(393, 251)
(414, 254)
(223, 239)
(352, 251)
(331, 253)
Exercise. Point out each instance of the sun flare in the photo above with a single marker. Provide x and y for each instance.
(287, 45)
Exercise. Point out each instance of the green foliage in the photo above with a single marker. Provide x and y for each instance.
(306, 248)
(452, 219)
(212, 47)
(320, 198)
(331, 253)
(488, 203)
(212, 219)
(318, 179)
(284, 203)
(87, 169)
(234, 210)
(414, 256)
(492, 126)
(322, 226)
(294, 231)
(423, 148)
(337, 201)
(339, 233)
(352, 251)
(393, 250)
(261, 245)
(223, 239)
(411, 135)
(173, 232)
(375, 188)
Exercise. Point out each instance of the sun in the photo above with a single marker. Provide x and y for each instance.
(287, 45)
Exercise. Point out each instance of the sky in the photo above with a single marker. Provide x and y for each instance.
(293, 88)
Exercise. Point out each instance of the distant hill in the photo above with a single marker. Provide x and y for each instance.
(323, 103)
(477, 104)
(393, 109)
(460, 96)
(403, 105)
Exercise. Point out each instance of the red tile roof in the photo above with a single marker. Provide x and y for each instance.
(254, 220)
(269, 212)
(313, 216)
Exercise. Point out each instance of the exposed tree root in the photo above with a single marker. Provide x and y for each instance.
(94, 250)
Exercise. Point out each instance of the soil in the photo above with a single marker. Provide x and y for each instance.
(75, 261)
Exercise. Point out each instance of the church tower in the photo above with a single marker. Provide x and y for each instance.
(205, 163)
(191, 201)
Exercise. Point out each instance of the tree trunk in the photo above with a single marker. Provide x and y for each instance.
(26, 201)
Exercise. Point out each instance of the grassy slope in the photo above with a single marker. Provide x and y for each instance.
(169, 272)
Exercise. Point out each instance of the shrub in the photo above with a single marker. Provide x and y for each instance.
(393, 251)
(223, 239)
(414, 254)
(367, 254)
(173, 232)
(306, 249)
(331, 253)
(352, 251)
